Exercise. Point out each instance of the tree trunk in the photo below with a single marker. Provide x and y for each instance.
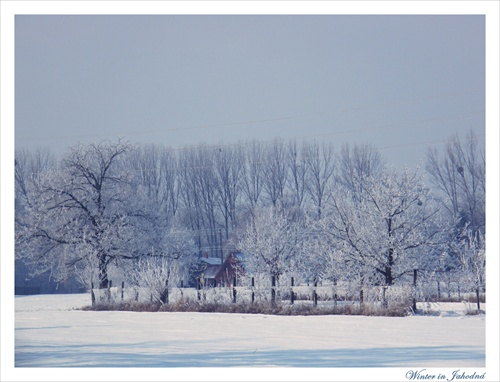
(164, 294)
(103, 273)
(388, 276)
(234, 290)
(477, 298)
(389, 280)
(361, 294)
(390, 258)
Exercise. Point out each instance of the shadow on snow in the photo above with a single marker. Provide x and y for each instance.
(97, 356)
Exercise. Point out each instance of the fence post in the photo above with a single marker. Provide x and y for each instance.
(92, 295)
(273, 290)
(448, 284)
(335, 296)
(291, 292)
(234, 289)
(385, 304)
(253, 291)
(414, 304)
(198, 286)
(361, 295)
(315, 295)
(164, 294)
(123, 286)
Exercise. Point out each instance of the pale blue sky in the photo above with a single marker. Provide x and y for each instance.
(399, 83)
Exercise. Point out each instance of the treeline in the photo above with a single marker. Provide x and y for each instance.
(298, 208)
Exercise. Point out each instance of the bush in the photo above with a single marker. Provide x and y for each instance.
(284, 309)
(471, 308)
(124, 306)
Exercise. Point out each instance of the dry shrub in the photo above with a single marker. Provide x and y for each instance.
(124, 306)
(284, 309)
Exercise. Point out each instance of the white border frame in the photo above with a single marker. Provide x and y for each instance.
(9, 9)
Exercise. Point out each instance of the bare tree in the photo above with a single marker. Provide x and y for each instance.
(275, 171)
(356, 165)
(155, 174)
(190, 194)
(320, 168)
(208, 186)
(200, 196)
(297, 170)
(253, 173)
(169, 170)
(144, 161)
(459, 173)
(229, 167)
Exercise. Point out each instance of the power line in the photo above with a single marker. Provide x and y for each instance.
(277, 119)
(338, 111)
(393, 126)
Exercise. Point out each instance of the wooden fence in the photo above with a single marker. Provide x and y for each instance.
(288, 293)
(253, 293)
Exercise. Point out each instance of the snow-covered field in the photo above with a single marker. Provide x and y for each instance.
(51, 332)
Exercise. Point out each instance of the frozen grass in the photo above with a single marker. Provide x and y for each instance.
(299, 308)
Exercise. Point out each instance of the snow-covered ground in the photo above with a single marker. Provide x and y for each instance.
(51, 332)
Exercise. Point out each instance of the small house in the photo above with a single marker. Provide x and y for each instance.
(208, 270)
(231, 268)
(215, 273)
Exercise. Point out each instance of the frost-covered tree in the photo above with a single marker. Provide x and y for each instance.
(472, 255)
(386, 229)
(271, 242)
(312, 261)
(81, 210)
(166, 265)
(29, 169)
